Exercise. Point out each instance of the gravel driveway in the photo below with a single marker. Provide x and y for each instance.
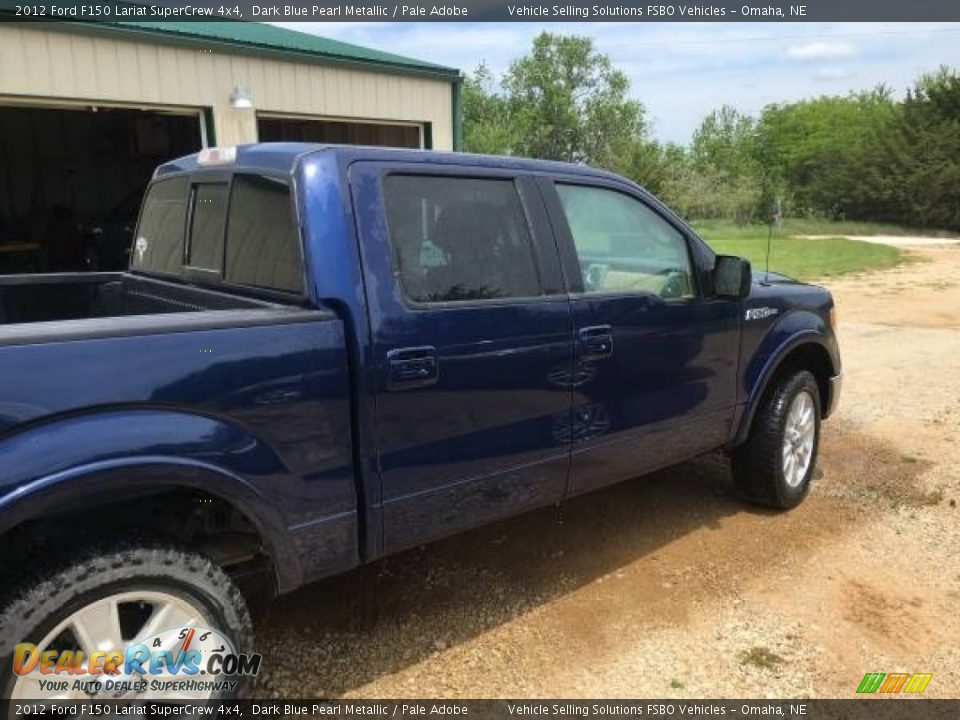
(670, 587)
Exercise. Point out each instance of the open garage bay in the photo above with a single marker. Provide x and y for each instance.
(71, 181)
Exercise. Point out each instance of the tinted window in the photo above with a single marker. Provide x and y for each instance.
(206, 227)
(460, 239)
(263, 244)
(158, 246)
(624, 246)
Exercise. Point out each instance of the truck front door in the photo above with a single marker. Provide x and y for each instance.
(656, 356)
(472, 342)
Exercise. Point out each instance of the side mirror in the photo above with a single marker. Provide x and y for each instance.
(731, 277)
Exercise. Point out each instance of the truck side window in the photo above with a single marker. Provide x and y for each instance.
(624, 246)
(460, 238)
(263, 243)
(158, 246)
(206, 227)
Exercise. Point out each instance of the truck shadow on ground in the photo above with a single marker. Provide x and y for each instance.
(666, 540)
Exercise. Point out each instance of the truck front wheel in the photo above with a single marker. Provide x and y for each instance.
(108, 599)
(775, 465)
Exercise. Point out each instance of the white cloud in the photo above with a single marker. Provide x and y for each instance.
(821, 50)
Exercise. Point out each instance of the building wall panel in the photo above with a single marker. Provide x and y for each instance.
(47, 64)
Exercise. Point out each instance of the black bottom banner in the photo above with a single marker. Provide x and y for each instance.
(854, 709)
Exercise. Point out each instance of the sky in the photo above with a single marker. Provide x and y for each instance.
(682, 71)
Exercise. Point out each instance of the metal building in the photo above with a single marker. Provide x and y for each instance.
(88, 110)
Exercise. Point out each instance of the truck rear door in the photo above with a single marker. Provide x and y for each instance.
(472, 339)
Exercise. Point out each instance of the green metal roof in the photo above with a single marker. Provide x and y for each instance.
(271, 37)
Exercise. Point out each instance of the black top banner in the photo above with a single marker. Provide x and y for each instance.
(487, 10)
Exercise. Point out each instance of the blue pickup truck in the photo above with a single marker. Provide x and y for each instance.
(323, 355)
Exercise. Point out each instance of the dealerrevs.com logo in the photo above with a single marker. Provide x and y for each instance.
(179, 663)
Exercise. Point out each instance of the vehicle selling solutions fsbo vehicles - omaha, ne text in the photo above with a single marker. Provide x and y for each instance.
(323, 355)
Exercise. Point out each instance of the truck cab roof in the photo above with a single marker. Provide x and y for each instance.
(284, 157)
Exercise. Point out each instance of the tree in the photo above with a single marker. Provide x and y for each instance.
(567, 102)
(487, 126)
(813, 151)
(861, 156)
(724, 141)
(655, 165)
(867, 157)
(918, 160)
(724, 174)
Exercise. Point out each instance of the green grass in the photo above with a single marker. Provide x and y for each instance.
(814, 226)
(819, 226)
(799, 258)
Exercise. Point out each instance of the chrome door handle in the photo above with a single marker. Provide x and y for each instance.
(596, 342)
(412, 367)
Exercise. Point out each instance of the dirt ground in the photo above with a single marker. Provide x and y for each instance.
(670, 587)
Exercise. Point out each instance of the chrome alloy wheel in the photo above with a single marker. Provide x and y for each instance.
(798, 437)
(111, 623)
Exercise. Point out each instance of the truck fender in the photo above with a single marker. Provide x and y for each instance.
(791, 331)
(55, 465)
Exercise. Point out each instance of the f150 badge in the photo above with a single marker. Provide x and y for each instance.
(759, 313)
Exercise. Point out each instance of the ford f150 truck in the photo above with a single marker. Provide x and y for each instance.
(323, 355)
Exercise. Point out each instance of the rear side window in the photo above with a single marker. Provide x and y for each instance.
(460, 238)
(159, 244)
(263, 244)
(206, 226)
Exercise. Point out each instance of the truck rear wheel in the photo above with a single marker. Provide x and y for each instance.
(775, 465)
(109, 598)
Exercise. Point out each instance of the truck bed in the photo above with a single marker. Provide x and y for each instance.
(188, 386)
(77, 296)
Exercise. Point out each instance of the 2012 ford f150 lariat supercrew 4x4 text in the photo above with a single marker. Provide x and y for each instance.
(323, 355)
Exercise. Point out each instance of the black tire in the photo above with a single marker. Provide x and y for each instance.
(758, 473)
(41, 601)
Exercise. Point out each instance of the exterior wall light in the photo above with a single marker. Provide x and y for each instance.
(240, 98)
